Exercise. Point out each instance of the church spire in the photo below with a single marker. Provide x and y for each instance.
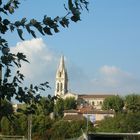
(61, 65)
(61, 79)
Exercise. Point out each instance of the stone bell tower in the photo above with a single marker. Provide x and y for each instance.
(61, 83)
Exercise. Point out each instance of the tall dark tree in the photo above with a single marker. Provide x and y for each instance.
(6, 110)
(46, 105)
(11, 84)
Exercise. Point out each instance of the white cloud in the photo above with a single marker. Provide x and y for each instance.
(42, 60)
(113, 76)
(114, 79)
(110, 70)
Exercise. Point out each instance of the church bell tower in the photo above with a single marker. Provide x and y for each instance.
(61, 83)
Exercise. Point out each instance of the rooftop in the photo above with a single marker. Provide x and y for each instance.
(95, 96)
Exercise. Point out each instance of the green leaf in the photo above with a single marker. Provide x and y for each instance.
(6, 21)
(75, 18)
(33, 33)
(57, 19)
(11, 9)
(21, 56)
(64, 22)
(40, 29)
(47, 30)
(33, 21)
(31, 86)
(56, 30)
(5, 50)
(36, 88)
(20, 32)
(48, 21)
(70, 4)
(12, 28)
(28, 28)
(17, 23)
(23, 21)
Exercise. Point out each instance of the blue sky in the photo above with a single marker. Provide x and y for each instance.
(102, 51)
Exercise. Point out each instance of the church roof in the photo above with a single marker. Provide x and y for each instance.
(62, 64)
(95, 96)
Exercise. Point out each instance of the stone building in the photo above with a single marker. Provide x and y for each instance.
(61, 89)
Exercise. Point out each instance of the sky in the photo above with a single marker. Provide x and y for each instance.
(102, 51)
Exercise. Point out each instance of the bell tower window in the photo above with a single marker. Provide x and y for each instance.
(61, 86)
(59, 74)
(57, 87)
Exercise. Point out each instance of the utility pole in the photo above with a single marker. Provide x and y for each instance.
(30, 127)
(0, 74)
(30, 122)
(0, 90)
(87, 123)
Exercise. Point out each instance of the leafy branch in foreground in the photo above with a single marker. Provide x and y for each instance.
(11, 84)
(47, 25)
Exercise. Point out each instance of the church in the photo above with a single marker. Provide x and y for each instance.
(61, 83)
(61, 89)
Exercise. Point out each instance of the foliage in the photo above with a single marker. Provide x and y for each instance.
(64, 104)
(41, 124)
(46, 105)
(132, 103)
(73, 12)
(59, 107)
(70, 103)
(22, 124)
(60, 129)
(132, 122)
(6, 129)
(6, 109)
(123, 123)
(111, 124)
(65, 129)
(11, 84)
(9, 127)
(115, 103)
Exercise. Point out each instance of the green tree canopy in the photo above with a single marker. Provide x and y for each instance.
(46, 105)
(70, 103)
(112, 124)
(115, 103)
(122, 123)
(64, 129)
(11, 84)
(132, 103)
(59, 108)
(6, 111)
(6, 108)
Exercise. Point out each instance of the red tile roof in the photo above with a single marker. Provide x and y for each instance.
(70, 111)
(73, 117)
(96, 112)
